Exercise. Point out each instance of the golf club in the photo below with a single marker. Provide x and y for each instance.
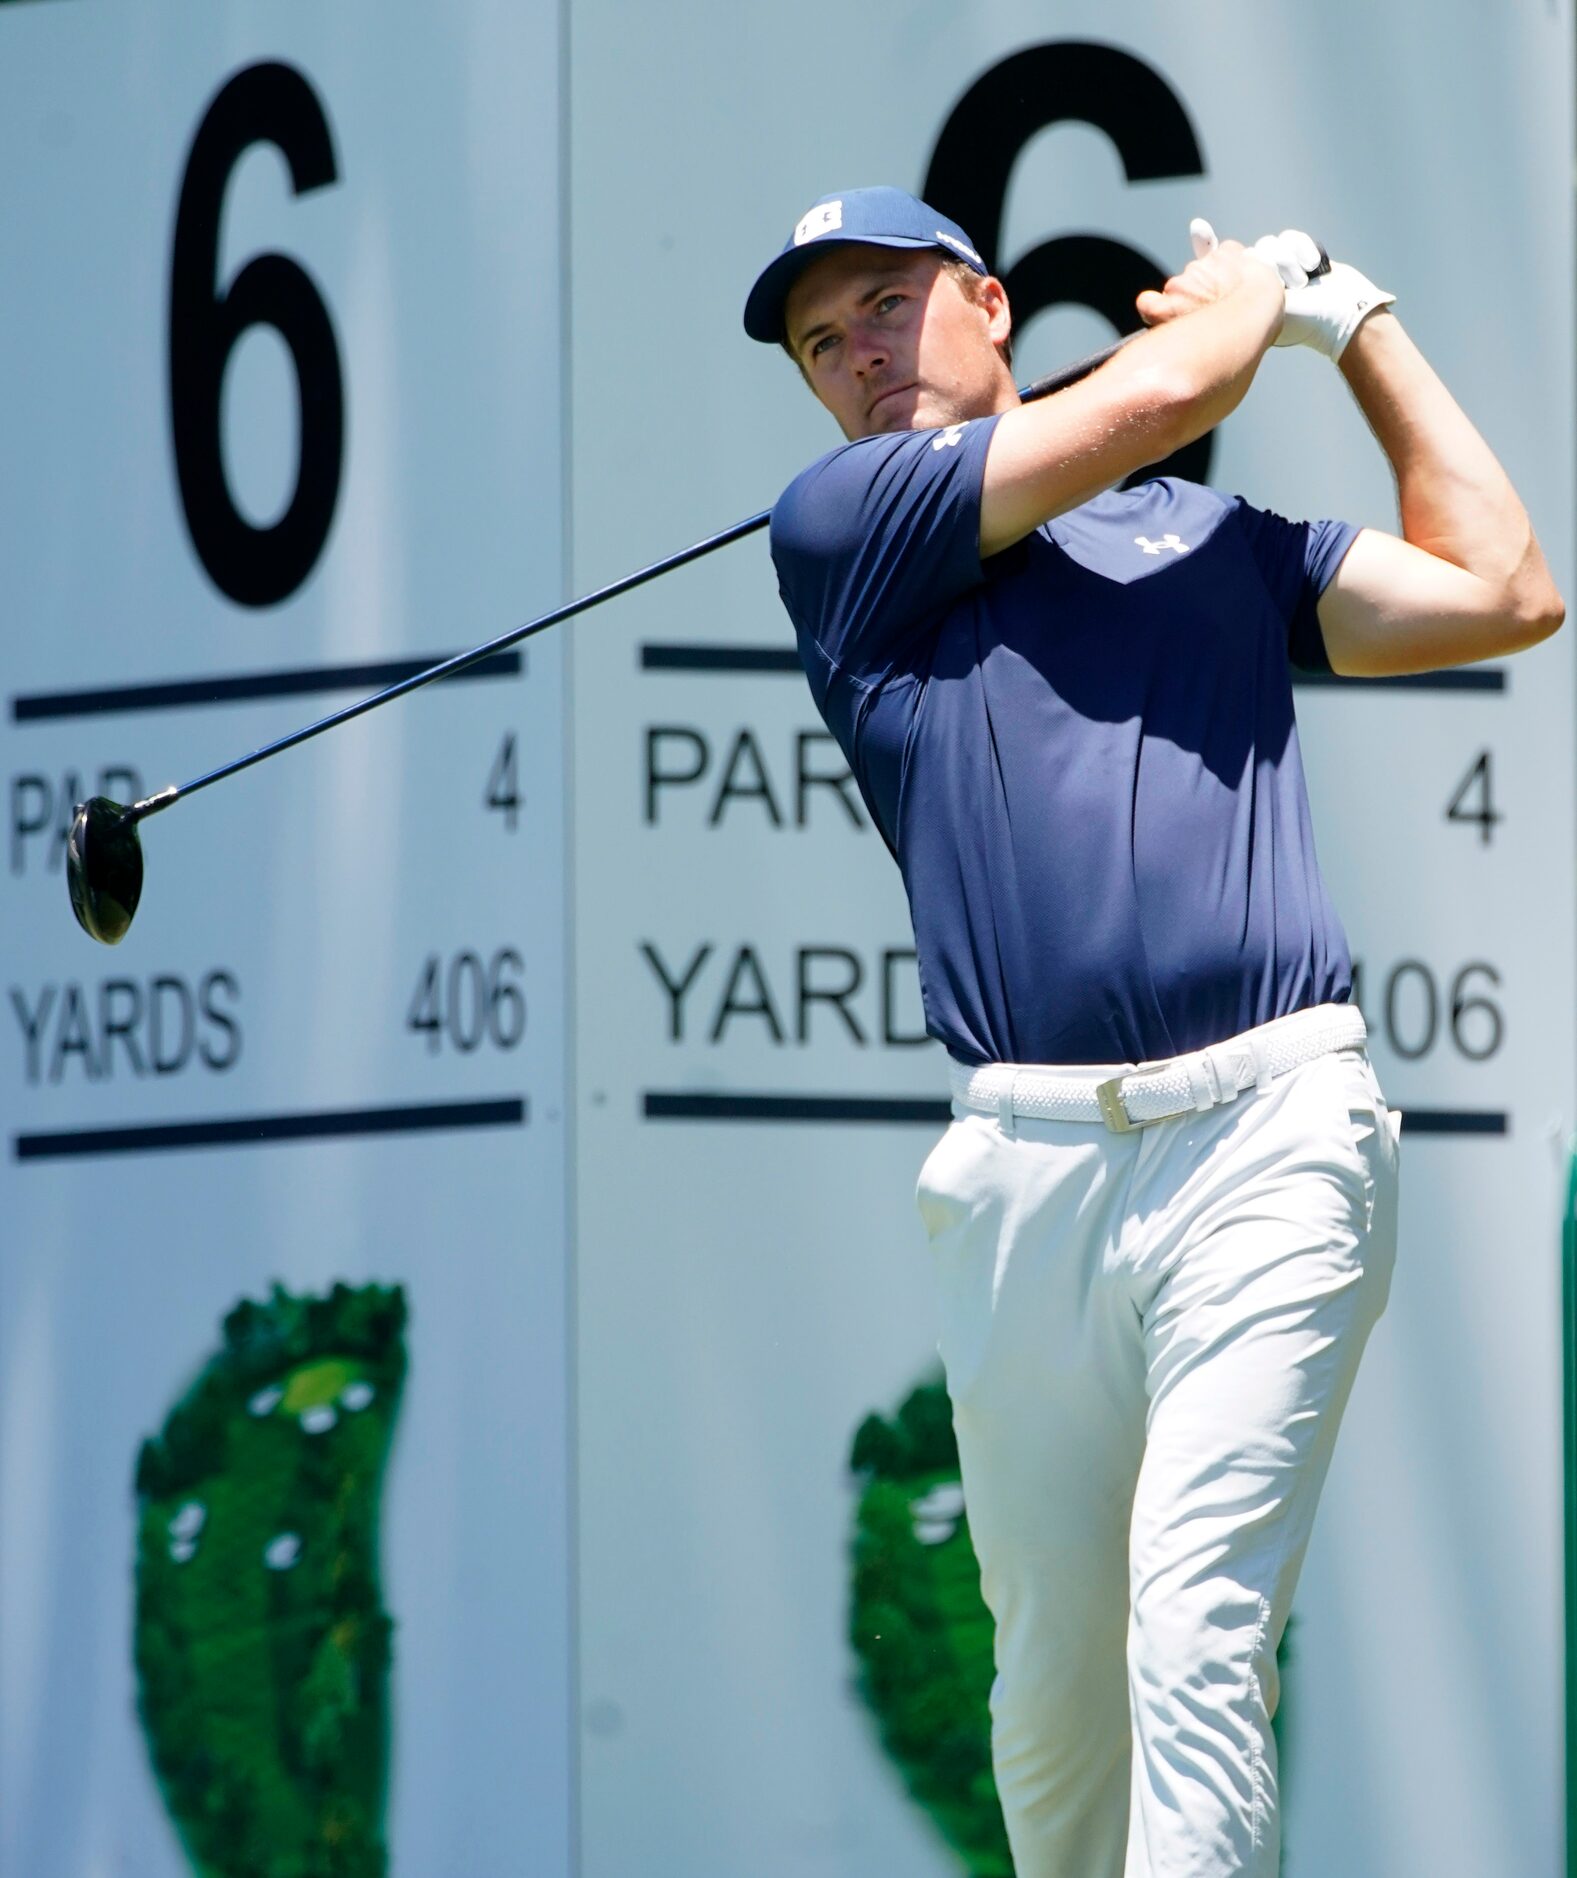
(104, 853)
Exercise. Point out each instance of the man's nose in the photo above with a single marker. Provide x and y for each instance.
(870, 352)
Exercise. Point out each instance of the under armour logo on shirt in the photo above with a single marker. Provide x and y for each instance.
(949, 436)
(1174, 542)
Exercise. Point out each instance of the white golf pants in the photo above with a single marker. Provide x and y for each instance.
(1149, 1341)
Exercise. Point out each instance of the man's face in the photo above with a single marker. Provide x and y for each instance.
(888, 340)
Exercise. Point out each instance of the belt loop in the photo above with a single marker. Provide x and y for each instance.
(1005, 1104)
(1201, 1082)
(1260, 1051)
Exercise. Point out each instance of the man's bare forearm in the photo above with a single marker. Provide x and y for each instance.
(1455, 500)
(1169, 386)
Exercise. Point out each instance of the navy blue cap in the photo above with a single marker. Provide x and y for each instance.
(879, 218)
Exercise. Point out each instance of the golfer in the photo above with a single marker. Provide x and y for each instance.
(1164, 1215)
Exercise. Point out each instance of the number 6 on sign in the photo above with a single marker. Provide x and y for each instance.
(254, 566)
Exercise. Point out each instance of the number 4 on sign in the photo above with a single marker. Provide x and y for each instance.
(503, 783)
(1474, 800)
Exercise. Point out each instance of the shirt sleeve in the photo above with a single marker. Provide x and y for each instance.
(1297, 561)
(875, 540)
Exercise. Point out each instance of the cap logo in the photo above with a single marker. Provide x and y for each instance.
(822, 220)
(963, 247)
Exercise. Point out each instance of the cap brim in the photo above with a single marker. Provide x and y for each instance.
(764, 308)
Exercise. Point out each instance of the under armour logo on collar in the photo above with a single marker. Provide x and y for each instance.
(1174, 542)
(949, 436)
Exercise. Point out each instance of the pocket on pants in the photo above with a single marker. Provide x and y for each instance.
(1376, 1138)
(939, 1192)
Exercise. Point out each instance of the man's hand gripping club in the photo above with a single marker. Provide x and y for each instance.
(1327, 301)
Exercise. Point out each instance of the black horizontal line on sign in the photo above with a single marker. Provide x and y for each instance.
(174, 693)
(935, 1112)
(677, 1106)
(784, 660)
(247, 1131)
(1455, 1122)
(1460, 678)
(655, 658)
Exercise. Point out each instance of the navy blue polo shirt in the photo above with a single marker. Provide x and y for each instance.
(1082, 751)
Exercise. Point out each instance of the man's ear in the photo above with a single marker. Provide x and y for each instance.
(994, 299)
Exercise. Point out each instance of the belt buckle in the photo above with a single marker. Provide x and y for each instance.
(1116, 1117)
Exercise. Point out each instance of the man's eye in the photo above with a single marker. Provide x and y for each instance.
(821, 344)
(889, 300)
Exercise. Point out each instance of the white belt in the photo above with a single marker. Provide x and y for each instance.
(1126, 1097)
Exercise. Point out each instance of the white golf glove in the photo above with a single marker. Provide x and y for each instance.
(1332, 301)
(1327, 301)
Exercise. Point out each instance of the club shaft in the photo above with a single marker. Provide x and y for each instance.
(446, 668)
(1070, 374)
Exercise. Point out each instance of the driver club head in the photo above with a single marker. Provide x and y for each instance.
(103, 869)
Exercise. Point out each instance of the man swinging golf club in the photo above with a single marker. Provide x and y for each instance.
(1163, 1217)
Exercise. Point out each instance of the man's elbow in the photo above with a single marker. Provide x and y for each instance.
(1535, 611)
(1524, 606)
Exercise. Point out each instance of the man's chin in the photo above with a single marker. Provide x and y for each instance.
(898, 411)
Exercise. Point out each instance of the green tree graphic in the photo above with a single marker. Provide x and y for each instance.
(261, 1645)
